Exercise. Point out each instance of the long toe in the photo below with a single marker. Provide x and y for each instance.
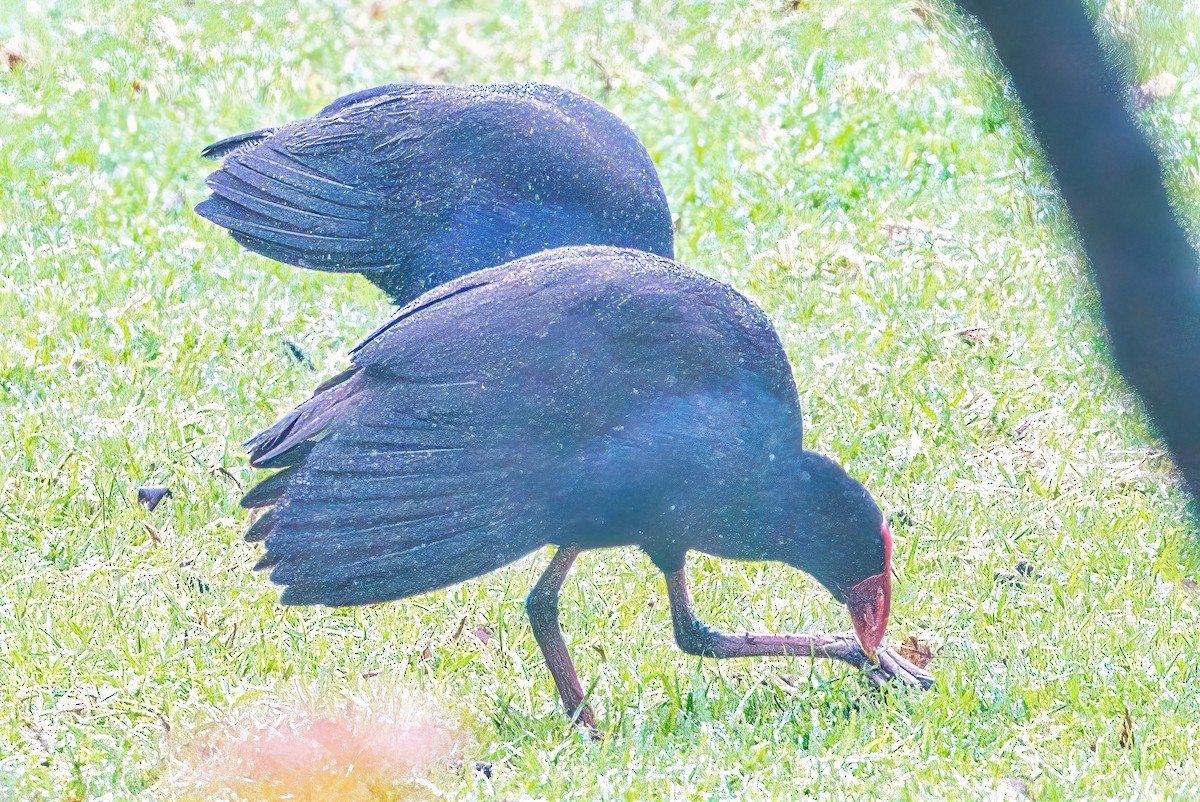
(896, 666)
(586, 721)
(878, 676)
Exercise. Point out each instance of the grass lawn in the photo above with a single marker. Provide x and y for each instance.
(850, 164)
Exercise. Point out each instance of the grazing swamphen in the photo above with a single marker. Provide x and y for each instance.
(583, 397)
(413, 185)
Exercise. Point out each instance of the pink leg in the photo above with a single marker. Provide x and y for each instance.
(695, 637)
(542, 608)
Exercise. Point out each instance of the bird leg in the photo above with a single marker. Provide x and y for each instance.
(542, 607)
(695, 637)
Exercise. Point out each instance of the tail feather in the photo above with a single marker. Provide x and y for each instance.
(291, 211)
(268, 560)
(307, 420)
(263, 527)
(268, 491)
(231, 144)
(329, 218)
(286, 459)
(335, 237)
(399, 574)
(393, 488)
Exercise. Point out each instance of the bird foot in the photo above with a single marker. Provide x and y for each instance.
(886, 665)
(585, 720)
(890, 666)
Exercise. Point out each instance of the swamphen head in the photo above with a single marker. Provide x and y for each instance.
(413, 185)
(852, 553)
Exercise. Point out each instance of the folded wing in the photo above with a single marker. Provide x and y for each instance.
(487, 416)
(413, 185)
(394, 490)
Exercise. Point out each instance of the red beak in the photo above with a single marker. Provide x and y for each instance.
(870, 601)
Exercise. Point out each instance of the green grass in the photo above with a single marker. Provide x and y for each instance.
(848, 163)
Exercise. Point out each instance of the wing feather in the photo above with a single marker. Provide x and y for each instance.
(413, 185)
(387, 497)
(506, 410)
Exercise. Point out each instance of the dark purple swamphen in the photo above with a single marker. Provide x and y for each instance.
(413, 185)
(581, 397)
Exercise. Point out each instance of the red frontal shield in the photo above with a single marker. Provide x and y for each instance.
(870, 601)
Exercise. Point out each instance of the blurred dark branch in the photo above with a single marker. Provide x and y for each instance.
(1146, 270)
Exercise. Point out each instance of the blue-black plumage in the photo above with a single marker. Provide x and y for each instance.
(412, 185)
(582, 397)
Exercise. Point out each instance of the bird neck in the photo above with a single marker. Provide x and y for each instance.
(757, 507)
